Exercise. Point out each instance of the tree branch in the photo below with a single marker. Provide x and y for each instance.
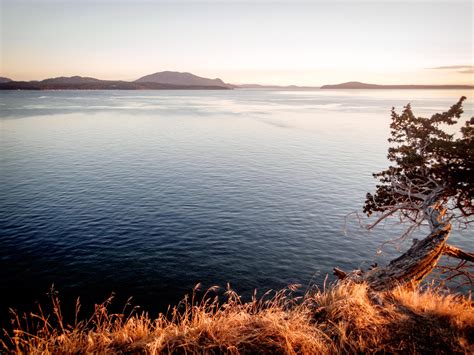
(341, 275)
(458, 253)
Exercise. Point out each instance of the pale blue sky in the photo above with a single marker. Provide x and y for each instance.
(306, 43)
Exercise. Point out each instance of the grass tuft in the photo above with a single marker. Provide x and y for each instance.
(346, 317)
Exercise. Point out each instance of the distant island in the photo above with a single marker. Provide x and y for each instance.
(359, 85)
(183, 79)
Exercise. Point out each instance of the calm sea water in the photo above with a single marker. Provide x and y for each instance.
(148, 193)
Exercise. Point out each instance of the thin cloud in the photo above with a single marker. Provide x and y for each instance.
(463, 69)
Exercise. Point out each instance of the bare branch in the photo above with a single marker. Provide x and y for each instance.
(458, 253)
(341, 275)
(381, 218)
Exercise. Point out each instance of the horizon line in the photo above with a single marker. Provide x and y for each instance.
(246, 83)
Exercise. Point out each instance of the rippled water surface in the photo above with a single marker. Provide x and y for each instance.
(147, 193)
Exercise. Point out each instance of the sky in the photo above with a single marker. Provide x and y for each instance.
(297, 42)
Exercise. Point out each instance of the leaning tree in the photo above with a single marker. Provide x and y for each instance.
(430, 180)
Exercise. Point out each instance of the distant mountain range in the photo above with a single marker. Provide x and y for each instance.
(157, 81)
(170, 80)
(359, 85)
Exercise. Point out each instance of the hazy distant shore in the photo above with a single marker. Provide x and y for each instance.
(359, 85)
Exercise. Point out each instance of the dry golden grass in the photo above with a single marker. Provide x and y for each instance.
(345, 318)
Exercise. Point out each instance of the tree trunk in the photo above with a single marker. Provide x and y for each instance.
(411, 267)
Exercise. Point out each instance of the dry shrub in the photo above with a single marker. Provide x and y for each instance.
(354, 320)
(346, 317)
(437, 320)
